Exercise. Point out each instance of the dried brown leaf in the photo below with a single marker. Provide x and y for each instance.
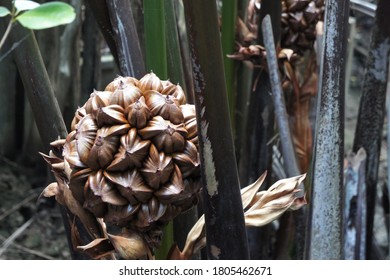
(130, 246)
(98, 248)
(196, 239)
(272, 203)
(248, 193)
(175, 253)
(64, 197)
(50, 190)
(264, 207)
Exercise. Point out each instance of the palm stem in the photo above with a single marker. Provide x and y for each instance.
(156, 61)
(6, 33)
(229, 15)
(221, 190)
(155, 40)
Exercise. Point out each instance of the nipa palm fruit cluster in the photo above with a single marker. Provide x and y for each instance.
(299, 20)
(131, 157)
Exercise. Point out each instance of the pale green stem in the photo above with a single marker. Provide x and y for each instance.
(6, 33)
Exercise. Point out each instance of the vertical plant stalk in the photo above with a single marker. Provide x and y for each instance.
(8, 103)
(68, 81)
(90, 71)
(185, 51)
(354, 246)
(36, 82)
(44, 105)
(274, 10)
(387, 204)
(372, 108)
(156, 61)
(175, 63)
(288, 152)
(100, 12)
(131, 62)
(229, 16)
(256, 153)
(225, 227)
(324, 238)
(6, 33)
(155, 40)
(255, 149)
(184, 222)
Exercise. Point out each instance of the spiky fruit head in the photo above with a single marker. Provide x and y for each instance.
(133, 153)
(299, 20)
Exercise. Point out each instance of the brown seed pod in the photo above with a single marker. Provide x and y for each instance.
(150, 82)
(299, 19)
(131, 153)
(110, 115)
(78, 179)
(103, 188)
(97, 100)
(80, 113)
(188, 160)
(149, 213)
(173, 188)
(120, 215)
(127, 81)
(131, 186)
(166, 106)
(125, 95)
(157, 168)
(167, 136)
(175, 91)
(103, 150)
(86, 132)
(138, 113)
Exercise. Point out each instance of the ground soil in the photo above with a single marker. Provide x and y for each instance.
(30, 227)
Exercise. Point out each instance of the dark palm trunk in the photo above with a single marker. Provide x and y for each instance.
(372, 108)
(225, 227)
(44, 106)
(324, 238)
(255, 149)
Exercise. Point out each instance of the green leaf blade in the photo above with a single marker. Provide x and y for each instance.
(47, 15)
(4, 12)
(155, 40)
(24, 5)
